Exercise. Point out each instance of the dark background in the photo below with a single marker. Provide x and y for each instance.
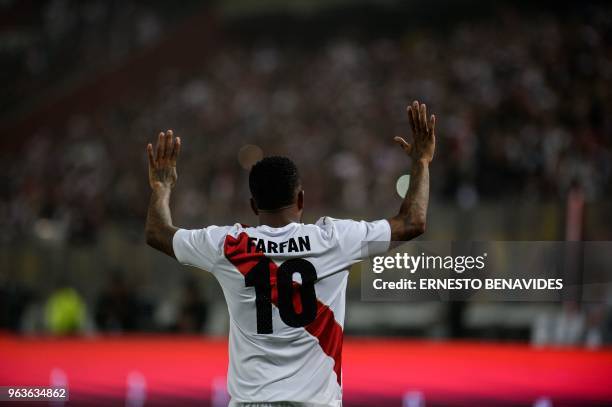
(522, 92)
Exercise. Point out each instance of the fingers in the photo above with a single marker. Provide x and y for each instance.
(150, 155)
(167, 148)
(415, 116)
(175, 150)
(432, 124)
(407, 147)
(169, 144)
(411, 120)
(423, 117)
(161, 145)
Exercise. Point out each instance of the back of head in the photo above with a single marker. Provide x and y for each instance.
(274, 182)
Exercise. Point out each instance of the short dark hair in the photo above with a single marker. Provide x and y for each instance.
(273, 182)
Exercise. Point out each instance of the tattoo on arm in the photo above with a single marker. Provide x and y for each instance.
(159, 229)
(412, 217)
(411, 220)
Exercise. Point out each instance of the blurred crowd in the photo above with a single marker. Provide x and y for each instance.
(119, 306)
(523, 104)
(56, 43)
(523, 101)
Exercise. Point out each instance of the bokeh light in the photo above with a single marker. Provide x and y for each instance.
(248, 155)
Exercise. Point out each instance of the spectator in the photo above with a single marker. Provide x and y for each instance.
(523, 113)
(65, 312)
(193, 309)
(117, 309)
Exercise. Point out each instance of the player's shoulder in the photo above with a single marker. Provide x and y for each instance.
(333, 227)
(330, 223)
(214, 235)
(233, 231)
(326, 223)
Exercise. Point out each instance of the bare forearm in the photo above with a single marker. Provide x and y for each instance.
(414, 206)
(159, 229)
(411, 220)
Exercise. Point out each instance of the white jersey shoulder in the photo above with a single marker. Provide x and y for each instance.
(285, 292)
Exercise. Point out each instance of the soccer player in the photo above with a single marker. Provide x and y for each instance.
(284, 281)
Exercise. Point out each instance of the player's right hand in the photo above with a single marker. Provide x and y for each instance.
(423, 133)
(162, 164)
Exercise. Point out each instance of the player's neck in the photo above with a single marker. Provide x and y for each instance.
(280, 218)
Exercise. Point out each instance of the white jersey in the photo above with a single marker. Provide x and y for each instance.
(285, 292)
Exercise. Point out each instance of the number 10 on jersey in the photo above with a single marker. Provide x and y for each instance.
(259, 277)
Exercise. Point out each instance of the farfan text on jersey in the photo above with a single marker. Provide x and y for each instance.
(292, 245)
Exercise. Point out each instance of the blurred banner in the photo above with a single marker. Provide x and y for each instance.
(162, 370)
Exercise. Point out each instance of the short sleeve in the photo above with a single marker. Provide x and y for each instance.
(199, 247)
(352, 235)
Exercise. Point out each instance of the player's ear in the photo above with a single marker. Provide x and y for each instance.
(300, 200)
(254, 207)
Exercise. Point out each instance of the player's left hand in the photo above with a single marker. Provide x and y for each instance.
(162, 165)
(423, 133)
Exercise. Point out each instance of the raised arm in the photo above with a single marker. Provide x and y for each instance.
(411, 220)
(159, 230)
